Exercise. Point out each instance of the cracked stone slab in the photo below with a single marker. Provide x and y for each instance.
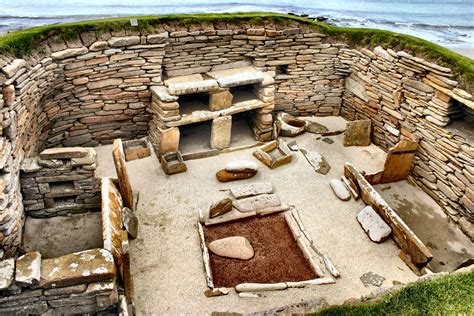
(237, 76)
(371, 278)
(190, 84)
(256, 203)
(80, 267)
(28, 269)
(316, 160)
(246, 190)
(373, 224)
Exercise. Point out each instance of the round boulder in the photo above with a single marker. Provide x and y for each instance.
(236, 247)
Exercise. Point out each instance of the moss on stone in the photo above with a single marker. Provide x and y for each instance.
(22, 43)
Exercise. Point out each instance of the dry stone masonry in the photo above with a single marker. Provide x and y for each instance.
(128, 84)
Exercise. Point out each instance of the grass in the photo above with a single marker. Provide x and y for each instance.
(22, 43)
(449, 295)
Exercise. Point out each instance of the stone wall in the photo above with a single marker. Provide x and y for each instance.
(403, 94)
(79, 283)
(92, 89)
(59, 182)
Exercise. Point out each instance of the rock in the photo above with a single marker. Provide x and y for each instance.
(99, 45)
(125, 186)
(7, 273)
(226, 176)
(251, 189)
(11, 69)
(124, 41)
(28, 269)
(357, 133)
(162, 94)
(169, 140)
(372, 279)
(216, 292)
(221, 207)
(340, 189)
(64, 153)
(89, 159)
(130, 222)
(80, 267)
(293, 146)
(256, 203)
(241, 166)
(315, 128)
(194, 83)
(70, 52)
(373, 224)
(316, 160)
(104, 83)
(418, 85)
(237, 76)
(356, 86)
(220, 132)
(220, 100)
(289, 126)
(327, 140)
(235, 247)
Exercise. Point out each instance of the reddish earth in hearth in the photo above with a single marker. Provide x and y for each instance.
(277, 256)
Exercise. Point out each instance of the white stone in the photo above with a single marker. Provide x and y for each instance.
(373, 224)
(190, 84)
(28, 269)
(340, 189)
(237, 76)
(124, 41)
(236, 247)
(221, 132)
(7, 273)
(246, 190)
(70, 52)
(257, 203)
(162, 94)
(241, 166)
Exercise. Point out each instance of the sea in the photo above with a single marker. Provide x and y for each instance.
(449, 23)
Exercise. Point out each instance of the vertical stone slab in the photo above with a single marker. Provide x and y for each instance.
(112, 219)
(399, 160)
(220, 100)
(169, 141)
(221, 132)
(357, 133)
(122, 174)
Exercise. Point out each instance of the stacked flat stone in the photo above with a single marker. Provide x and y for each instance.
(79, 283)
(403, 94)
(94, 88)
(168, 115)
(60, 181)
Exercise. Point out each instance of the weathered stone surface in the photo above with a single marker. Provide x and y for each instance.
(172, 163)
(418, 85)
(315, 128)
(237, 76)
(371, 278)
(241, 166)
(289, 126)
(316, 160)
(220, 100)
(226, 176)
(81, 267)
(64, 153)
(251, 189)
(358, 133)
(28, 269)
(130, 222)
(190, 84)
(354, 85)
(89, 159)
(7, 273)
(220, 207)
(235, 247)
(11, 69)
(340, 189)
(169, 140)
(274, 154)
(122, 173)
(124, 41)
(162, 94)
(216, 292)
(70, 52)
(221, 132)
(99, 45)
(112, 218)
(104, 83)
(9, 95)
(373, 224)
(257, 203)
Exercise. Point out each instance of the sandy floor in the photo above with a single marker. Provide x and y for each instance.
(166, 258)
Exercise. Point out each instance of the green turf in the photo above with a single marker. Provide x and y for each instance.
(22, 43)
(448, 295)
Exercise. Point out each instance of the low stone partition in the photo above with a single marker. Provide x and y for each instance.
(413, 252)
(78, 283)
(60, 181)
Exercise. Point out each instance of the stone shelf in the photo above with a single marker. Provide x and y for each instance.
(237, 76)
(190, 84)
(201, 116)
